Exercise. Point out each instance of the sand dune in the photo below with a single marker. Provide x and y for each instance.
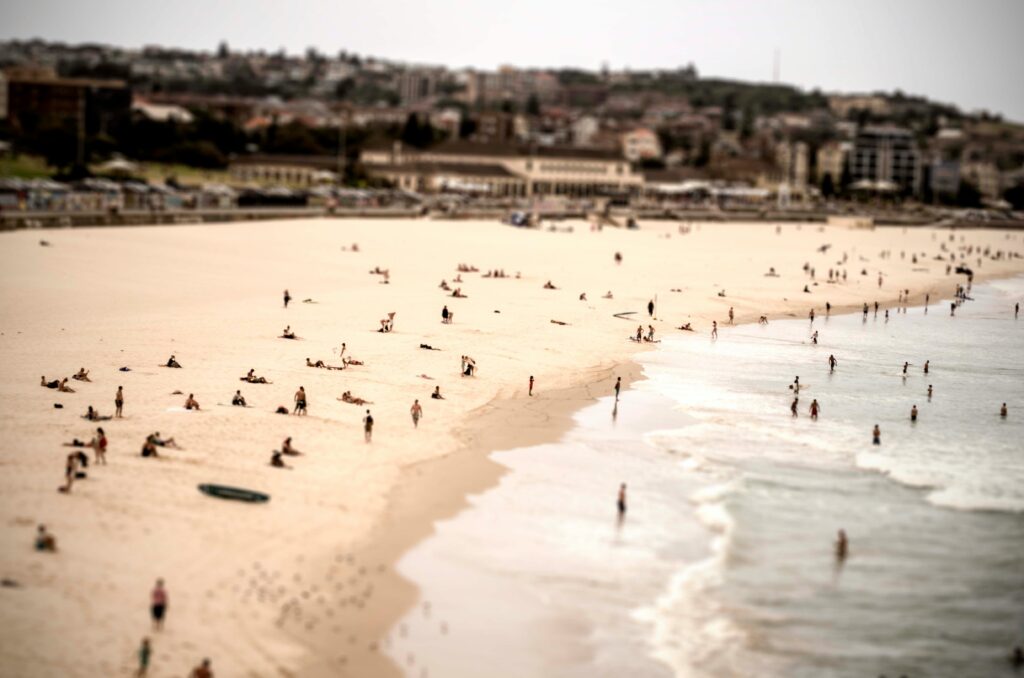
(300, 586)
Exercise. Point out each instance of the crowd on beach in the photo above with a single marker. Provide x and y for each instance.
(77, 462)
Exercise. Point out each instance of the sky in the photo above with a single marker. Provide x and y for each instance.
(966, 53)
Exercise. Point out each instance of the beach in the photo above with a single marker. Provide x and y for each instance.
(305, 584)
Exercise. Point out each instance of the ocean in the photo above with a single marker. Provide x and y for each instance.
(724, 564)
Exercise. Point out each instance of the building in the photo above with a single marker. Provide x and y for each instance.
(985, 177)
(508, 169)
(831, 158)
(842, 105)
(36, 97)
(641, 144)
(295, 170)
(793, 162)
(944, 177)
(417, 85)
(886, 155)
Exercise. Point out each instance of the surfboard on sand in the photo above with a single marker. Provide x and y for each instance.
(236, 493)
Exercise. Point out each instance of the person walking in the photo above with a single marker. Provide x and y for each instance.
(118, 402)
(416, 411)
(531, 385)
(287, 298)
(618, 387)
(144, 653)
(158, 604)
(621, 503)
(368, 426)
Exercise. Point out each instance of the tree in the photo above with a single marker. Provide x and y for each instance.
(828, 189)
(222, 50)
(968, 195)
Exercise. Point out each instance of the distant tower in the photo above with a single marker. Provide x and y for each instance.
(777, 65)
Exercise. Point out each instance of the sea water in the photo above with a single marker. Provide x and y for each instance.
(724, 564)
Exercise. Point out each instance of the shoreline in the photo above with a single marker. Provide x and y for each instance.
(415, 505)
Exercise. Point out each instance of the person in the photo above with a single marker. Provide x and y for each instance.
(300, 401)
(952, 308)
(445, 315)
(650, 308)
(876, 436)
(49, 384)
(416, 411)
(842, 546)
(1002, 411)
(144, 653)
(368, 426)
(926, 366)
(763, 320)
(905, 365)
(276, 461)
(436, 395)
(814, 409)
(149, 448)
(688, 327)
(1016, 312)
(99, 446)
(913, 413)
(828, 309)
(70, 471)
(238, 399)
(64, 388)
(172, 362)
(793, 406)
(622, 501)
(118, 402)
(714, 329)
(929, 392)
(44, 540)
(158, 604)
(1017, 658)
(639, 333)
(203, 670)
(287, 298)
(191, 403)
(531, 385)
(253, 379)
(81, 375)
(286, 448)
(287, 333)
(814, 337)
(618, 387)
(156, 440)
(796, 384)
(650, 333)
(731, 315)
(832, 363)
(811, 316)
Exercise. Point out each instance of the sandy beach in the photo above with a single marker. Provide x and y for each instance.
(304, 585)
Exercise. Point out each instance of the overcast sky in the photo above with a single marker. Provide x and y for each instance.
(967, 53)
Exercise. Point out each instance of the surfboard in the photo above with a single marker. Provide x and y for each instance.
(236, 493)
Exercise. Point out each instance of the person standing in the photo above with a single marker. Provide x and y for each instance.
(876, 436)
(814, 409)
(622, 501)
(300, 401)
(416, 412)
(445, 315)
(929, 392)
(618, 387)
(531, 385)
(158, 605)
(714, 329)
(793, 406)
(913, 413)
(831, 363)
(287, 298)
(203, 670)
(650, 308)
(144, 652)
(368, 426)
(99, 446)
(118, 402)
(731, 315)
(1002, 411)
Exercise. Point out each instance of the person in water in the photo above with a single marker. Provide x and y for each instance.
(842, 546)
(926, 362)
(832, 363)
(621, 503)
(618, 387)
(793, 406)
(876, 436)
(929, 392)
(814, 409)
(913, 413)
(1002, 411)
(714, 329)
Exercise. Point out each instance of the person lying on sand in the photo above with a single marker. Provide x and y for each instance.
(49, 384)
(287, 333)
(93, 415)
(81, 375)
(75, 442)
(444, 286)
(429, 347)
(191, 403)
(347, 397)
(155, 439)
(352, 361)
(64, 388)
(238, 399)
(276, 461)
(286, 448)
(549, 286)
(171, 362)
(318, 363)
(436, 395)
(686, 328)
(253, 379)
